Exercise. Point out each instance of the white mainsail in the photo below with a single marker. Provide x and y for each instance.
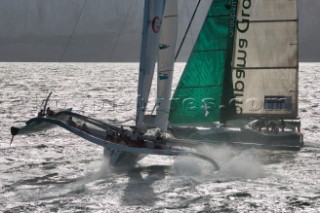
(168, 38)
(153, 15)
(265, 63)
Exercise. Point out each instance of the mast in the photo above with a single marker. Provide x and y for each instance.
(153, 14)
(227, 108)
(168, 39)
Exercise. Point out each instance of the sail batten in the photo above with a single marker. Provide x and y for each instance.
(261, 68)
(284, 20)
(202, 86)
(217, 16)
(201, 51)
(170, 16)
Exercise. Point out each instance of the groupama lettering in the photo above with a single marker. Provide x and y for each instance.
(243, 25)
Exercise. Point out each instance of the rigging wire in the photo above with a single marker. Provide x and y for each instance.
(187, 30)
(120, 33)
(110, 57)
(73, 30)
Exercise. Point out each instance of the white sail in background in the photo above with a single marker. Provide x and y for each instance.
(265, 63)
(168, 38)
(153, 14)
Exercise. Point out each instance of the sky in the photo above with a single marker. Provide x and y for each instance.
(107, 30)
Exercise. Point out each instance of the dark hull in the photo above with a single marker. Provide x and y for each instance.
(95, 132)
(241, 137)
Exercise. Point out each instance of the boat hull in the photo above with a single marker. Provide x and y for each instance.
(37, 125)
(96, 133)
(241, 137)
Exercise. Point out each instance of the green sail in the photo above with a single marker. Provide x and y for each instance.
(199, 95)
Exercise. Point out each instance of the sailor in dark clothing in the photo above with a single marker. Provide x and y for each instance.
(274, 127)
(109, 136)
(140, 142)
(159, 139)
(71, 122)
(41, 113)
(282, 125)
(50, 112)
(85, 128)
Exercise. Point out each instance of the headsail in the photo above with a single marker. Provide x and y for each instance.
(265, 64)
(198, 97)
(168, 37)
(153, 14)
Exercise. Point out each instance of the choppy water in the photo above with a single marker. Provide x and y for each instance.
(57, 172)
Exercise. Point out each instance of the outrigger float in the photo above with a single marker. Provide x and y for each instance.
(122, 144)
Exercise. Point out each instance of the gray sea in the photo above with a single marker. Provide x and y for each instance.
(55, 171)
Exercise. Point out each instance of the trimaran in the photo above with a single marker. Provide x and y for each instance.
(240, 85)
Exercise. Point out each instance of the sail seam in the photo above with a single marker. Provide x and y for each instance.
(215, 50)
(217, 16)
(165, 111)
(258, 68)
(171, 16)
(272, 21)
(166, 70)
(193, 87)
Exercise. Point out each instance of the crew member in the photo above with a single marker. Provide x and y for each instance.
(41, 113)
(282, 125)
(71, 122)
(50, 112)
